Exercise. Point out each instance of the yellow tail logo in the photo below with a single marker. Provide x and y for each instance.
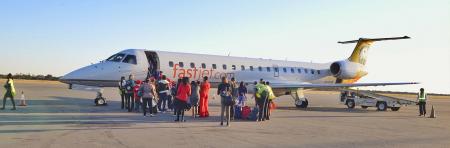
(360, 52)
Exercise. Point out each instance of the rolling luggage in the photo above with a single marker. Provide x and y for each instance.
(254, 114)
(246, 112)
(237, 112)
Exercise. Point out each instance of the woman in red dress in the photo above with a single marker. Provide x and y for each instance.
(204, 91)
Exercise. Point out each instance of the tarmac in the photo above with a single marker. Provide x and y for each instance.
(58, 117)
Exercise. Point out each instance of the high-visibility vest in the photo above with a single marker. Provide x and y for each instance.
(271, 94)
(260, 88)
(13, 90)
(422, 98)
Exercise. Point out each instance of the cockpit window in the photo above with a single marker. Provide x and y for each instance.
(116, 58)
(131, 59)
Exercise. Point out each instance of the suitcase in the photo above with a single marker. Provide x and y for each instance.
(237, 112)
(246, 112)
(155, 110)
(254, 114)
(272, 106)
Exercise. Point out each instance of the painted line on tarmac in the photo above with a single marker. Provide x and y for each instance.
(66, 121)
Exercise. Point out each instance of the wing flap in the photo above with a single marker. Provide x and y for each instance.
(338, 85)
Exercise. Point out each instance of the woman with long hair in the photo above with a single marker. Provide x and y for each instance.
(183, 93)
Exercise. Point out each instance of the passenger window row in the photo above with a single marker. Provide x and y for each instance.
(251, 68)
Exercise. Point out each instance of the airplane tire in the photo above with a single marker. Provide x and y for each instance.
(364, 107)
(303, 105)
(100, 101)
(350, 104)
(381, 106)
(395, 109)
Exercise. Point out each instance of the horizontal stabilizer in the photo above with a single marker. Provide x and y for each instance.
(374, 39)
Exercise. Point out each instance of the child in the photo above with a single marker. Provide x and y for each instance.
(22, 100)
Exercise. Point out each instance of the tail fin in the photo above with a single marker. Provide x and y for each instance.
(359, 54)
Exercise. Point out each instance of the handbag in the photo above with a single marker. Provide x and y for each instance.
(188, 105)
(228, 101)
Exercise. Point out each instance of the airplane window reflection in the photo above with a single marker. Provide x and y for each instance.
(116, 58)
(131, 59)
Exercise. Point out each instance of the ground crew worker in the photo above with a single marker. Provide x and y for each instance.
(270, 97)
(259, 87)
(10, 92)
(422, 99)
(261, 95)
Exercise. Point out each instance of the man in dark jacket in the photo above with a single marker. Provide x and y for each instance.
(163, 92)
(129, 93)
(122, 91)
(224, 91)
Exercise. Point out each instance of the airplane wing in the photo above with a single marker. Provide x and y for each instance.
(280, 85)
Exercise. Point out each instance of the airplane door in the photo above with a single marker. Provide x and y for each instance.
(154, 63)
(276, 71)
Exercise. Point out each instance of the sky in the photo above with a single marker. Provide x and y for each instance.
(58, 36)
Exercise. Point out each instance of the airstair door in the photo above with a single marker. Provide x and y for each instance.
(276, 71)
(154, 64)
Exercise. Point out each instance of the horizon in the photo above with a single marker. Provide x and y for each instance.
(56, 37)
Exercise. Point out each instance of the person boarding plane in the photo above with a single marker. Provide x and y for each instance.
(286, 77)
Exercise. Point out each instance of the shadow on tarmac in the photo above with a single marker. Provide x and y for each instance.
(329, 109)
(82, 112)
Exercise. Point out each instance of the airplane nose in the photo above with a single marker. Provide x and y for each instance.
(85, 73)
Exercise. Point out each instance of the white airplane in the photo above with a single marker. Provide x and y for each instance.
(286, 77)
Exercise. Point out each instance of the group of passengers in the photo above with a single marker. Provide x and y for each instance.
(233, 101)
(159, 94)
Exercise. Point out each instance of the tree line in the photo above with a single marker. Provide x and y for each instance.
(31, 77)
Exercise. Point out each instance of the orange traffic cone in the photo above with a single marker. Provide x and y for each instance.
(22, 100)
(433, 112)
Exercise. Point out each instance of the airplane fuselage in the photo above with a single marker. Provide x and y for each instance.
(196, 66)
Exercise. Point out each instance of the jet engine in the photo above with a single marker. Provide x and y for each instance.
(347, 70)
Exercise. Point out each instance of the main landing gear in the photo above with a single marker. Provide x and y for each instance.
(299, 98)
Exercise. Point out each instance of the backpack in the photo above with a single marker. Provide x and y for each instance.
(254, 114)
(161, 87)
(128, 86)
